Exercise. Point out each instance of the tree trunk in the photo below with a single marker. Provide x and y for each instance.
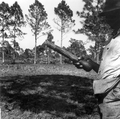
(3, 53)
(35, 55)
(13, 61)
(97, 51)
(97, 58)
(61, 40)
(48, 56)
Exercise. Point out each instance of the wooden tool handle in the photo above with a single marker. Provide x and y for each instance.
(61, 51)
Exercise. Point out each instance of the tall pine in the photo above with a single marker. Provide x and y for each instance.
(37, 19)
(64, 21)
(4, 24)
(17, 21)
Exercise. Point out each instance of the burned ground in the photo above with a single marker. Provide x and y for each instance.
(47, 97)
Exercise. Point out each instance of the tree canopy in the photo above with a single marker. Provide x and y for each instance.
(37, 19)
(77, 47)
(94, 26)
(64, 21)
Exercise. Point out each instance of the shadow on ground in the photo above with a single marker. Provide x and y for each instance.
(54, 94)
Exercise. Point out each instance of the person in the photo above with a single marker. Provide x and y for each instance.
(107, 85)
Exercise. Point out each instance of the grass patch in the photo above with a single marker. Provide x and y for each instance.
(43, 69)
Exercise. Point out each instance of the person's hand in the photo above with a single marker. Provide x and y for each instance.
(78, 63)
(84, 63)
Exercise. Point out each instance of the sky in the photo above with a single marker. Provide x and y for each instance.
(28, 40)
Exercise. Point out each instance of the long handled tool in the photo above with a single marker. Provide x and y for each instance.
(87, 66)
(62, 51)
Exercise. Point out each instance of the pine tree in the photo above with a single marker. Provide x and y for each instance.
(37, 19)
(64, 21)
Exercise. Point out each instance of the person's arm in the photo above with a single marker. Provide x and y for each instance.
(94, 65)
(87, 64)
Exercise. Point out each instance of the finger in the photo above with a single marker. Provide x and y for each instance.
(75, 62)
(80, 58)
(79, 66)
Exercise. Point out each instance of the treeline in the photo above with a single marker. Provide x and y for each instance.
(43, 53)
(12, 20)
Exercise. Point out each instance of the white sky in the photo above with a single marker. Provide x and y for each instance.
(28, 41)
